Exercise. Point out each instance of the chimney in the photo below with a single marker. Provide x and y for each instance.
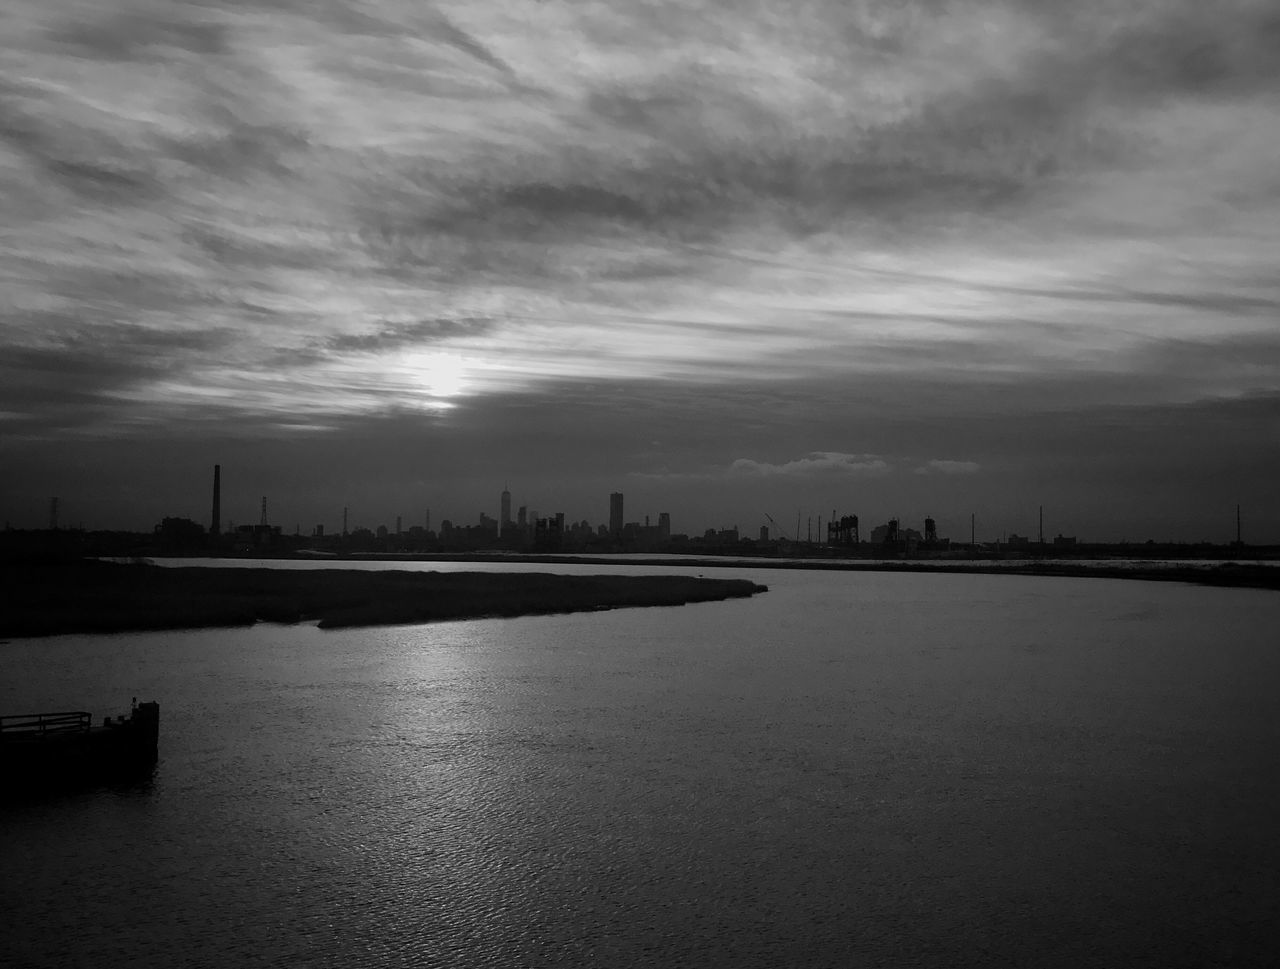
(215, 528)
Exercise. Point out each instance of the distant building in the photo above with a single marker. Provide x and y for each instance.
(892, 537)
(504, 518)
(843, 531)
(179, 534)
(722, 537)
(615, 513)
(885, 534)
(1066, 540)
(664, 526)
(931, 540)
(548, 533)
(247, 536)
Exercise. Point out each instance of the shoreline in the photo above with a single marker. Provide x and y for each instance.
(1242, 574)
(103, 597)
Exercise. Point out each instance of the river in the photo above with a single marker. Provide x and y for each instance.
(852, 769)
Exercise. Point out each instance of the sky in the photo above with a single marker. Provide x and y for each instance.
(732, 259)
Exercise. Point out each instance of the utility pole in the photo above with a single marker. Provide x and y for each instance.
(1238, 539)
(1042, 524)
(344, 521)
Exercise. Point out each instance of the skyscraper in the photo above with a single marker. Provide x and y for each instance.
(505, 518)
(615, 513)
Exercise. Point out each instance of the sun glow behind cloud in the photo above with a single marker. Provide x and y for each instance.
(442, 375)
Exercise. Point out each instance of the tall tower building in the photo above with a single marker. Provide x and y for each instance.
(505, 518)
(215, 526)
(615, 513)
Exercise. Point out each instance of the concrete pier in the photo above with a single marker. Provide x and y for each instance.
(39, 751)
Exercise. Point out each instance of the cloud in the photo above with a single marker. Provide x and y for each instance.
(400, 335)
(451, 34)
(817, 463)
(700, 194)
(949, 467)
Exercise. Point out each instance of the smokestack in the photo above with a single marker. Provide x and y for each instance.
(215, 527)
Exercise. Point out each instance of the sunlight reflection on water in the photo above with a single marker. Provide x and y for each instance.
(871, 768)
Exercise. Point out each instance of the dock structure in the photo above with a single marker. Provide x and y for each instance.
(39, 751)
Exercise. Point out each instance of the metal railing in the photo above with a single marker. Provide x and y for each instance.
(26, 726)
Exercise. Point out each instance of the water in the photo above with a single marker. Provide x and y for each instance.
(854, 769)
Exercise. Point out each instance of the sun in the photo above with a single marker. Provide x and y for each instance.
(440, 373)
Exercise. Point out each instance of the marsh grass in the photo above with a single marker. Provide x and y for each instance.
(101, 597)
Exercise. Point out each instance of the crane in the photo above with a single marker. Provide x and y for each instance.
(776, 527)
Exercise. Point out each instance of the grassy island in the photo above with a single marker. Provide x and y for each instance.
(1245, 574)
(101, 597)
